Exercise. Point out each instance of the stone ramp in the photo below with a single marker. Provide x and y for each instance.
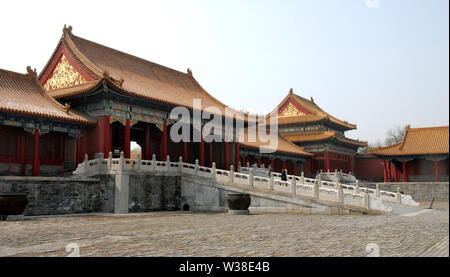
(404, 210)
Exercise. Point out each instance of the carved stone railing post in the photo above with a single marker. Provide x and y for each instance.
(231, 173)
(302, 178)
(239, 167)
(399, 196)
(377, 191)
(316, 189)
(213, 171)
(180, 164)
(154, 162)
(340, 193)
(138, 163)
(357, 187)
(196, 166)
(293, 186)
(250, 177)
(271, 181)
(121, 161)
(248, 165)
(366, 200)
(110, 161)
(319, 180)
(167, 163)
(86, 164)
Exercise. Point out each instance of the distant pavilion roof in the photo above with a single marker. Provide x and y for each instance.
(296, 109)
(309, 136)
(133, 75)
(283, 145)
(418, 141)
(22, 94)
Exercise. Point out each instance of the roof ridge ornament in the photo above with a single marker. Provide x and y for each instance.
(67, 107)
(189, 72)
(67, 29)
(312, 99)
(120, 81)
(32, 72)
(291, 91)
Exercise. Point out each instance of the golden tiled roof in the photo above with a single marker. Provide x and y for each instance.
(22, 94)
(137, 76)
(418, 141)
(315, 112)
(73, 90)
(283, 145)
(308, 136)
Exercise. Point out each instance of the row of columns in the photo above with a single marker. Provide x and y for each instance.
(405, 178)
(211, 152)
(127, 132)
(127, 135)
(272, 163)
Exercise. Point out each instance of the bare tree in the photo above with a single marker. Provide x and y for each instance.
(365, 149)
(394, 135)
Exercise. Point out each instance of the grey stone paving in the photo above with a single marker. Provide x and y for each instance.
(220, 234)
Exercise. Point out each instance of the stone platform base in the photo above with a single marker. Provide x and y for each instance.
(15, 217)
(239, 212)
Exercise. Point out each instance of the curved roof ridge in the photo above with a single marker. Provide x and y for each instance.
(67, 37)
(405, 134)
(128, 55)
(18, 85)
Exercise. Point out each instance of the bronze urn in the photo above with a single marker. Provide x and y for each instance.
(12, 203)
(238, 203)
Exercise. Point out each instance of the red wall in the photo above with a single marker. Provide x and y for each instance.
(370, 169)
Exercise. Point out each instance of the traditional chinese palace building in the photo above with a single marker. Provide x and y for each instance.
(305, 124)
(105, 99)
(422, 155)
(91, 99)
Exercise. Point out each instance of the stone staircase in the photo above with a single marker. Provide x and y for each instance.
(297, 189)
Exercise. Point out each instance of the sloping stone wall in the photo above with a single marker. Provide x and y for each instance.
(154, 193)
(55, 195)
(421, 191)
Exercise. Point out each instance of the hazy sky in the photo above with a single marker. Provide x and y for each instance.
(376, 67)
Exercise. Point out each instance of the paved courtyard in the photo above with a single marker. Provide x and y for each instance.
(219, 234)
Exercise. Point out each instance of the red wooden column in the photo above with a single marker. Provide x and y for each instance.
(147, 143)
(236, 154)
(284, 164)
(185, 152)
(202, 149)
(385, 171)
(389, 171)
(258, 161)
(272, 163)
(244, 161)
(36, 169)
(396, 174)
(405, 175)
(78, 152)
(227, 156)
(327, 161)
(352, 165)
(126, 147)
(107, 135)
(436, 169)
(164, 141)
(294, 163)
(211, 153)
(22, 152)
